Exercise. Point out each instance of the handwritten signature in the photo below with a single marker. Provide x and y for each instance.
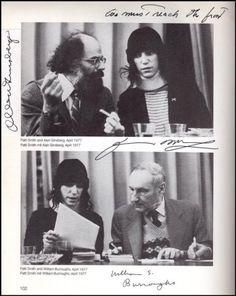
(122, 273)
(116, 145)
(171, 144)
(159, 285)
(9, 122)
(181, 144)
(156, 10)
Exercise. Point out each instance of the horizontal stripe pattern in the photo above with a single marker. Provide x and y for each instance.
(157, 107)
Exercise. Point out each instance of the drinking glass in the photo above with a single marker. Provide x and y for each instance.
(26, 250)
(64, 247)
(144, 129)
(175, 129)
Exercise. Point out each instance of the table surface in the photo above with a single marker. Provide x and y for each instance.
(25, 260)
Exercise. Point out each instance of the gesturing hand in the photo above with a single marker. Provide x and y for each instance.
(199, 251)
(112, 125)
(52, 92)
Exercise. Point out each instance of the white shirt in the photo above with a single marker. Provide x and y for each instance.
(67, 88)
(161, 211)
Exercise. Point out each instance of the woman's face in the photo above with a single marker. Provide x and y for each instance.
(71, 194)
(147, 64)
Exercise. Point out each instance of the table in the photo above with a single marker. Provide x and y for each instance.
(27, 259)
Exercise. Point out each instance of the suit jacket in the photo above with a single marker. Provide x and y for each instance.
(35, 123)
(183, 219)
(186, 105)
(44, 219)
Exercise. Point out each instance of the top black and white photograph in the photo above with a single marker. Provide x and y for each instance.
(117, 79)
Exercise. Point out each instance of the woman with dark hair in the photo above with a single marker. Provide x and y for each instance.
(70, 188)
(155, 94)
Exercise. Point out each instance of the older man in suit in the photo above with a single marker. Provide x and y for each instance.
(66, 102)
(154, 226)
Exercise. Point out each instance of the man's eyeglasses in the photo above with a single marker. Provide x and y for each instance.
(96, 61)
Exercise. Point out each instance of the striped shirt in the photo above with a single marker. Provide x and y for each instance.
(157, 107)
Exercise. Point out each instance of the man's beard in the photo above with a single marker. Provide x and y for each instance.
(91, 85)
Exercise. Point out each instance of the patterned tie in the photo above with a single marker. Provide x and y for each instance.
(154, 215)
(75, 112)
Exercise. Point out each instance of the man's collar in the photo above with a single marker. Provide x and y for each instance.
(161, 208)
(67, 86)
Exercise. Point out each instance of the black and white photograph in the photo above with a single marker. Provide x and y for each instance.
(117, 79)
(118, 172)
(145, 208)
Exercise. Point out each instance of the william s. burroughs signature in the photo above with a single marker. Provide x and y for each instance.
(7, 81)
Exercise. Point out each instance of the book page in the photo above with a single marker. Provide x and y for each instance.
(198, 162)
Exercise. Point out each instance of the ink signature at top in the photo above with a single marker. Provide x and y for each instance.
(181, 144)
(116, 145)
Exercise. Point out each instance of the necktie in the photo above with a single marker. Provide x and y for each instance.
(75, 112)
(154, 216)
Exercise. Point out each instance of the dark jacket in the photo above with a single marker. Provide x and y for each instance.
(183, 220)
(35, 123)
(44, 219)
(186, 105)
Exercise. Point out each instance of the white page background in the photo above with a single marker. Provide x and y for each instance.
(216, 279)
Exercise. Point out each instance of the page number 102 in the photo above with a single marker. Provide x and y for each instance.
(23, 288)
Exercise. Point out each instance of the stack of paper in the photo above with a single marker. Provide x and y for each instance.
(73, 227)
(124, 258)
(156, 261)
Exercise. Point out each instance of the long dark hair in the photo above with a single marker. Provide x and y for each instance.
(71, 171)
(141, 40)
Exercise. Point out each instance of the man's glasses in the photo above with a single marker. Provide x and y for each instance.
(96, 61)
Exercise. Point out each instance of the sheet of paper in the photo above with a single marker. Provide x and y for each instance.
(121, 258)
(73, 227)
(156, 261)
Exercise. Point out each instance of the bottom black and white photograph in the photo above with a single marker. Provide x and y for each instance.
(127, 208)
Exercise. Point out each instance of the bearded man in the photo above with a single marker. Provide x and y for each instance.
(66, 102)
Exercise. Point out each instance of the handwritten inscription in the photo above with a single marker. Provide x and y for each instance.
(7, 81)
(173, 145)
(122, 273)
(154, 10)
(135, 283)
(212, 14)
(161, 11)
(170, 145)
(159, 285)
(116, 145)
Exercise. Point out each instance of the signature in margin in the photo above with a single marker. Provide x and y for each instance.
(116, 145)
(8, 114)
(173, 145)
